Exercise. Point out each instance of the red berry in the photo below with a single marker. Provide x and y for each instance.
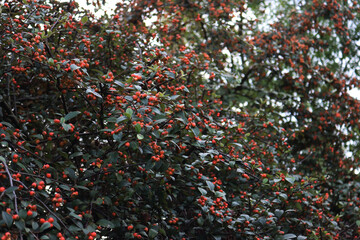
(29, 213)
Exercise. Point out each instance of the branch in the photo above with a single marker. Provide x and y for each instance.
(12, 184)
(37, 176)
(10, 112)
(24, 149)
(204, 30)
(47, 208)
(101, 117)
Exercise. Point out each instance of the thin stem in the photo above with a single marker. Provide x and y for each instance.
(12, 184)
(47, 208)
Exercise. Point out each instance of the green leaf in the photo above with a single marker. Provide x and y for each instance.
(75, 154)
(82, 187)
(200, 221)
(11, 189)
(105, 223)
(237, 144)
(111, 119)
(289, 236)
(7, 218)
(66, 127)
(22, 213)
(89, 229)
(196, 131)
(301, 237)
(20, 224)
(129, 112)
(90, 90)
(34, 225)
(57, 225)
(279, 213)
(84, 19)
(51, 61)
(118, 137)
(70, 172)
(72, 214)
(210, 185)
(153, 233)
(202, 191)
(140, 136)
(73, 67)
(44, 226)
(65, 187)
(160, 121)
(290, 180)
(98, 201)
(71, 115)
(106, 130)
(138, 128)
(283, 195)
(298, 206)
(220, 194)
(121, 119)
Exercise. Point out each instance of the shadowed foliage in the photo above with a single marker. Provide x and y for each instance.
(179, 119)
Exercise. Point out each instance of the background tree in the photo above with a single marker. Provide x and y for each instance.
(210, 121)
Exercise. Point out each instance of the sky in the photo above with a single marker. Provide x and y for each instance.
(109, 6)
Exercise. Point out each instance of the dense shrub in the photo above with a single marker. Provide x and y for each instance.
(203, 123)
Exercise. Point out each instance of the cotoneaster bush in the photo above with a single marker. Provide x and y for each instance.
(114, 128)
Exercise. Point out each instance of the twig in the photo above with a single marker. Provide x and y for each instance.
(37, 176)
(47, 208)
(7, 108)
(87, 100)
(24, 149)
(34, 236)
(12, 184)
(204, 30)
(57, 20)
(140, 52)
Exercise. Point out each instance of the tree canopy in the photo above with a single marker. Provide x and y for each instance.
(179, 119)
